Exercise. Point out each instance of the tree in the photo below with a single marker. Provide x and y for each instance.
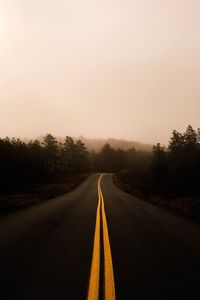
(106, 159)
(51, 147)
(198, 135)
(120, 160)
(130, 158)
(36, 159)
(177, 142)
(159, 163)
(93, 156)
(81, 157)
(69, 153)
(190, 137)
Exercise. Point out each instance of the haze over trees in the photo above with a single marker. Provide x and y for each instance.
(97, 144)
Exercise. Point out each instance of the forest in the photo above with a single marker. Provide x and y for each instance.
(26, 163)
(171, 170)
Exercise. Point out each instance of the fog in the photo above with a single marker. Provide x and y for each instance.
(123, 69)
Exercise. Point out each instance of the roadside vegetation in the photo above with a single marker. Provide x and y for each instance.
(169, 176)
(35, 171)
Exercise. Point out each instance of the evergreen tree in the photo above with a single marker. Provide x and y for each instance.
(159, 163)
(82, 157)
(177, 142)
(51, 148)
(69, 153)
(190, 137)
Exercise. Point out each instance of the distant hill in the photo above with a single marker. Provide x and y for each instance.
(97, 144)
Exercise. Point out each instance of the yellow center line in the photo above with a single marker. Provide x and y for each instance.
(108, 265)
(109, 284)
(93, 290)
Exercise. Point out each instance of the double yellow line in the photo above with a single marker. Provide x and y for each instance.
(109, 284)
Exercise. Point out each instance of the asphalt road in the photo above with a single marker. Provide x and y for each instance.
(46, 251)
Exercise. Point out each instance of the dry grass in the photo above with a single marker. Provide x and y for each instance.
(40, 192)
(182, 206)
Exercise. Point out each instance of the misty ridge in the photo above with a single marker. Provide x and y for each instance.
(97, 144)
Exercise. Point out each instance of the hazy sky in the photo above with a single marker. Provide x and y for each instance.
(108, 68)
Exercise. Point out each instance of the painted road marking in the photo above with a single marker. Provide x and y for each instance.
(108, 265)
(109, 283)
(93, 290)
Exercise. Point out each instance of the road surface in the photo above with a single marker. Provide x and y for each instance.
(97, 242)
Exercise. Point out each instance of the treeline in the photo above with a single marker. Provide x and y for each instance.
(113, 160)
(36, 161)
(168, 171)
(24, 163)
(174, 169)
